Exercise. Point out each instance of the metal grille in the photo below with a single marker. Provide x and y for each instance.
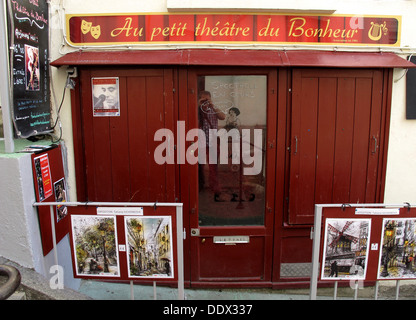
(295, 270)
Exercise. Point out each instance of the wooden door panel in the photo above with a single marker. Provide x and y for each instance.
(343, 139)
(325, 140)
(243, 261)
(155, 119)
(376, 136)
(335, 130)
(304, 145)
(98, 163)
(119, 143)
(138, 139)
(119, 150)
(361, 140)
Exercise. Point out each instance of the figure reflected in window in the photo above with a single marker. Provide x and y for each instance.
(209, 115)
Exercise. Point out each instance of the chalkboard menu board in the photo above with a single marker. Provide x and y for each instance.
(28, 37)
(411, 92)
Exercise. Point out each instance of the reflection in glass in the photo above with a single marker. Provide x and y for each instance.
(231, 153)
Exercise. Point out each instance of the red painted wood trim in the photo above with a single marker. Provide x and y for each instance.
(209, 57)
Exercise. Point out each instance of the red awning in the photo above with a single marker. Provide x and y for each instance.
(211, 57)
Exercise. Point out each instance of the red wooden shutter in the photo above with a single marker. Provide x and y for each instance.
(335, 136)
(119, 150)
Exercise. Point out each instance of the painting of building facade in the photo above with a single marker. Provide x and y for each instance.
(397, 254)
(345, 249)
(149, 246)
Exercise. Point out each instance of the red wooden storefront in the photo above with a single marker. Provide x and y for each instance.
(324, 118)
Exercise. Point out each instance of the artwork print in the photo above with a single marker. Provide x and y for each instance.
(43, 176)
(32, 71)
(149, 246)
(346, 249)
(95, 245)
(60, 196)
(397, 254)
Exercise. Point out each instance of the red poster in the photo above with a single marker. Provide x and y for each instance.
(233, 28)
(43, 176)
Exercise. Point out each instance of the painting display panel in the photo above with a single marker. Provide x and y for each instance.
(149, 246)
(345, 254)
(396, 259)
(95, 245)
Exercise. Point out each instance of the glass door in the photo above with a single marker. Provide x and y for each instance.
(232, 181)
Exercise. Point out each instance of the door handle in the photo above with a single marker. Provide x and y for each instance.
(296, 145)
(375, 145)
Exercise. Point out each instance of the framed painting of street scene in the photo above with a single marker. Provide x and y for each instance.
(397, 254)
(149, 246)
(94, 240)
(345, 253)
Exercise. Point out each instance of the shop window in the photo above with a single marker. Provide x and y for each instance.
(232, 116)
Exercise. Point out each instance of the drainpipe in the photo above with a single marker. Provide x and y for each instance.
(5, 83)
